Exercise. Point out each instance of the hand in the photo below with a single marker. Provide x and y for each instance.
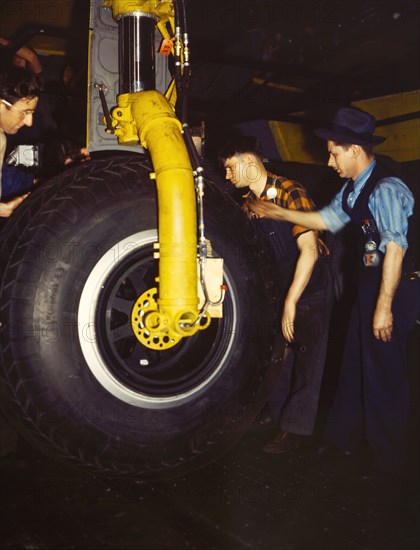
(382, 324)
(288, 321)
(265, 209)
(7, 208)
(25, 57)
(78, 156)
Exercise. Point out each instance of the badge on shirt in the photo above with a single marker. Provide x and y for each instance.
(369, 227)
(371, 256)
(271, 192)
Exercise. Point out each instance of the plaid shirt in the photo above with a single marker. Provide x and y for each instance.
(291, 195)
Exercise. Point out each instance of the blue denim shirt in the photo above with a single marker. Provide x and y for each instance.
(391, 204)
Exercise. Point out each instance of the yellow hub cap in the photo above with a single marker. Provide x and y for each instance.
(149, 325)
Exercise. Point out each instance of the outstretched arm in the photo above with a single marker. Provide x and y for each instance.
(308, 248)
(7, 208)
(391, 275)
(311, 220)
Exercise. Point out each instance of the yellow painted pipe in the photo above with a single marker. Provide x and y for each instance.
(149, 117)
(160, 132)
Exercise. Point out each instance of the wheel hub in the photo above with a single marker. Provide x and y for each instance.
(149, 325)
(173, 371)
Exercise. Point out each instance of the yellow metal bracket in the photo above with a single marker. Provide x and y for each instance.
(162, 316)
(147, 117)
(162, 9)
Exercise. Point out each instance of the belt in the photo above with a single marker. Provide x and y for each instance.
(412, 276)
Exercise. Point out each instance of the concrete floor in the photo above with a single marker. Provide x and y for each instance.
(244, 500)
(247, 499)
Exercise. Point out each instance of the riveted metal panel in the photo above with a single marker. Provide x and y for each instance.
(103, 70)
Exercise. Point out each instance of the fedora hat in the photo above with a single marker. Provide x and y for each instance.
(351, 126)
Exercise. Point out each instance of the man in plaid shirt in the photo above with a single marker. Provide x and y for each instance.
(305, 291)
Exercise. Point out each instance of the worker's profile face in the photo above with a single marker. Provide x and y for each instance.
(14, 116)
(241, 170)
(341, 159)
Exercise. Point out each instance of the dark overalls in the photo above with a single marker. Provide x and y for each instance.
(373, 401)
(294, 401)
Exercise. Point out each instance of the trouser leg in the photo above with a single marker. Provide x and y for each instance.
(282, 388)
(300, 411)
(386, 395)
(344, 425)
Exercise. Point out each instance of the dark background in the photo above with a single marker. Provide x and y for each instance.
(251, 60)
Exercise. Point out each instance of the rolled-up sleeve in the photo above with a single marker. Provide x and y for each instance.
(391, 204)
(333, 214)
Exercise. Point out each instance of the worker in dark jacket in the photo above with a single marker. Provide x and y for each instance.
(304, 288)
(373, 390)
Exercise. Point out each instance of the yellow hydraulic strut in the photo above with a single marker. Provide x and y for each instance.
(160, 318)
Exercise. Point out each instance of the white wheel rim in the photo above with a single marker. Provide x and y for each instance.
(88, 338)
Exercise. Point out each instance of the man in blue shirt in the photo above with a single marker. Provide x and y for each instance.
(373, 391)
(19, 92)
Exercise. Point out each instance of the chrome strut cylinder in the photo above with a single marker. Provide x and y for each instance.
(136, 55)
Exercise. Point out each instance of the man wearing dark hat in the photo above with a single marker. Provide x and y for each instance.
(373, 391)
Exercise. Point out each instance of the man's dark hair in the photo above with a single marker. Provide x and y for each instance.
(17, 83)
(240, 146)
